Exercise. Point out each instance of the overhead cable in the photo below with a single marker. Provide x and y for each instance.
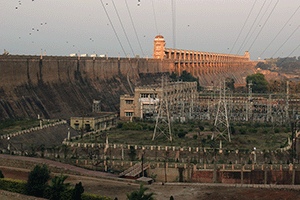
(258, 25)
(286, 40)
(113, 27)
(289, 54)
(154, 17)
(279, 32)
(137, 37)
(263, 25)
(243, 26)
(251, 27)
(174, 23)
(123, 27)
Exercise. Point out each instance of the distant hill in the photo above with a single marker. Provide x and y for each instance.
(280, 68)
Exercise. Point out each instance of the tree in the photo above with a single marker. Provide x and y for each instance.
(78, 190)
(230, 83)
(42, 149)
(186, 77)
(1, 174)
(260, 84)
(132, 153)
(140, 194)
(57, 187)
(65, 149)
(37, 180)
(262, 66)
(33, 150)
(171, 198)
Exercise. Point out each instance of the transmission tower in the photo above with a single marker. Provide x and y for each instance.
(221, 125)
(163, 125)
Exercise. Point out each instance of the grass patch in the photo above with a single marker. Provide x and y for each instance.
(247, 136)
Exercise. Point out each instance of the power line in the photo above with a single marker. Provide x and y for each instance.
(286, 40)
(263, 25)
(174, 23)
(258, 24)
(251, 27)
(279, 32)
(123, 27)
(113, 27)
(154, 17)
(134, 28)
(243, 26)
(290, 54)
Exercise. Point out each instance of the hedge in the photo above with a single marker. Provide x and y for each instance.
(87, 196)
(18, 186)
(13, 185)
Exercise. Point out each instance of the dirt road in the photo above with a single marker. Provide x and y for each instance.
(119, 189)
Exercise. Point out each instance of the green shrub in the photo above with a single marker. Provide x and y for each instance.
(242, 131)
(1, 174)
(252, 130)
(57, 188)
(87, 196)
(133, 126)
(286, 130)
(37, 179)
(120, 125)
(77, 192)
(151, 128)
(66, 195)
(195, 137)
(232, 130)
(277, 130)
(181, 134)
(13, 185)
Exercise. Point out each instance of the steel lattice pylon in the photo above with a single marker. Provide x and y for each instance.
(221, 125)
(163, 125)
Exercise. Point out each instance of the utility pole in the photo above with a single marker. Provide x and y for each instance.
(249, 102)
(269, 109)
(287, 102)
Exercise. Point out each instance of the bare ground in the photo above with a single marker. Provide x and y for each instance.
(119, 189)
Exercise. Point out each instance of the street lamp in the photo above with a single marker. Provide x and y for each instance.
(8, 145)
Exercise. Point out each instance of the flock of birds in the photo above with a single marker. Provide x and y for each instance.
(38, 28)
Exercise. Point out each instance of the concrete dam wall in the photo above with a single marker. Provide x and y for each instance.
(61, 87)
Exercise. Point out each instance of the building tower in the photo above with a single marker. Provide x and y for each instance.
(159, 47)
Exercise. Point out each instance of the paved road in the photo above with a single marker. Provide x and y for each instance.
(61, 165)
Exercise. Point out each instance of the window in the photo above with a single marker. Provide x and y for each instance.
(153, 95)
(128, 114)
(148, 95)
(87, 127)
(129, 101)
(76, 126)
(144, 95)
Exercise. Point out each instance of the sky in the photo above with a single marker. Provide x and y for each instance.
(265, 28)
